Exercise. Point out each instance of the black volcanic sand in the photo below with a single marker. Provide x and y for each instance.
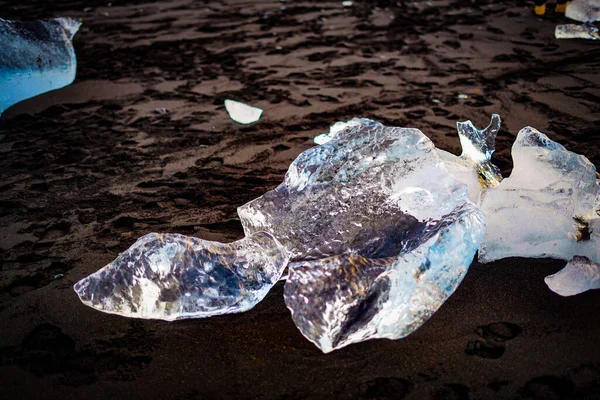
(86, 170)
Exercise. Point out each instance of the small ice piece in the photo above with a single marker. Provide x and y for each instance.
(172, 276)
(546, 208)
(571, 31)
(161, 110)
(580, 275)
(374, 190)
(474, 166)
(346, 4)
(347, 299)
(462, 96)
(584, 10)
(35, 57)
(242, 113)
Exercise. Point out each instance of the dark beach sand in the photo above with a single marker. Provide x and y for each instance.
(86, 170)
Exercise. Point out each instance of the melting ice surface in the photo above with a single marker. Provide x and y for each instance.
(382, 233)
(584, 10)
(171, 276)
(571, 31)
(580, 275)
(546, 208)
(35, 57)
(242, 113)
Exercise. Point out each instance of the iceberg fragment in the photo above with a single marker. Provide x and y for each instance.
(172, 276)
(242, 113)
(580, 275)
(546, 208)
(346, 299)
(35, 57)
(374, 190)
(583, 10)
(571, 31)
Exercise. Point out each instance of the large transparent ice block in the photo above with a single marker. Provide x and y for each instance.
(584, 10)
(172, 276)
(35, 57)
(546, 208)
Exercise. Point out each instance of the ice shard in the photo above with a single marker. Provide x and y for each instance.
(571, 31)
(546, 208)
(373, 190)
(580, 275)
(172, 276)
(242, 113)
(474, 167)
(347, 298)
(35, 57)
(584, 10)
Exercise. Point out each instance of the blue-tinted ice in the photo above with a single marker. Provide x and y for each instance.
(35, 57)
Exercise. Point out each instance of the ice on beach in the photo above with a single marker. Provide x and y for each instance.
(242, 113)
(172, 276)
(35, 57)
(382, 233)
(546, 208)
(571, 31)
(580, 275)
(584, 10)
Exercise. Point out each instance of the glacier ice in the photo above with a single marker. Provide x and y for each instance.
(381, 233)
(172, 276)
(347, 298)
(372, 189)
(242, 113)
(571, 31)
(580, 275)
(546, 208)
(35, 57)
(584, 10)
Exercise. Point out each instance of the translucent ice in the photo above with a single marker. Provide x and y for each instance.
(474, 167)
(571, 31)
(35, 57)
(546, 208)
(580, 275)
(373, 190)
(584, 10)
(171, 276)
(242, 113)
(346, 299)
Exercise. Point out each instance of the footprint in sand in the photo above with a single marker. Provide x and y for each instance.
(492, 339)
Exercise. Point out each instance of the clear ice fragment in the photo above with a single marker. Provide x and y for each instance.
(347, 298)
(580, 275)
(571, 31)
(546, 208)
(374, 190)
(172, 276)
(584, 10)
(242, 113)
(35, 57)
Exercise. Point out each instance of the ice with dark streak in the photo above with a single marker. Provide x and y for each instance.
(547, 207)
(372, 190)
(35, 57)
(172, 276)
(380, 231)
(347, 298)
(580, 275)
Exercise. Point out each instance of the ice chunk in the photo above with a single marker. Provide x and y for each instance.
(546, 208)
(171, 276)
(474, 167)
(346, 299)
(374, 190)
(35, 57)
(242, 113)
(584, 10)
(580, 275)
(570, 31)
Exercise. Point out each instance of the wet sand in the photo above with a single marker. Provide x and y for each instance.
(86, 170)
